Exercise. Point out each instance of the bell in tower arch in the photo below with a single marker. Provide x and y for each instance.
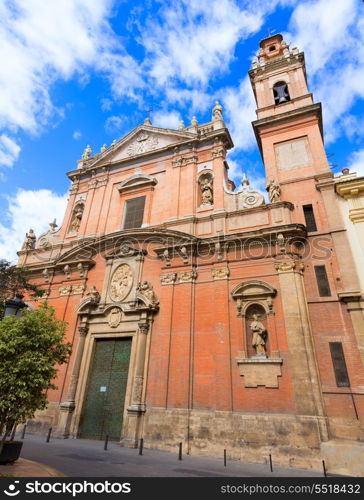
(280, 93)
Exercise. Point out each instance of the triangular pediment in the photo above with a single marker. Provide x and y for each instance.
(144, 139)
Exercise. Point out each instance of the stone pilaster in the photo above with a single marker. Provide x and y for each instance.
(67, 407)
(137, 408)
(302, 359)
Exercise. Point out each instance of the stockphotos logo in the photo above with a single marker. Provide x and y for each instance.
(12, 490)
(73, 488)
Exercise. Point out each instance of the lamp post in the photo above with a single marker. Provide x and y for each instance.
(14, 306)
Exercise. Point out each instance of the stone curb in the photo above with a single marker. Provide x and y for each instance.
(27, 468)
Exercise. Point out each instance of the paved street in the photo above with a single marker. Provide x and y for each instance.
(81, 457)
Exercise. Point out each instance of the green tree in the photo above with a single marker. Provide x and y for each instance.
(31, 347)
(14, 280)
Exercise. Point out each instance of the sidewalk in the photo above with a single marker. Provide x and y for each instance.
(86, 458)
(27, 468)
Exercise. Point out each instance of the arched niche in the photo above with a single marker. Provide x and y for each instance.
(206, 189)
(77, 214)
(254, 312)
(253, 292)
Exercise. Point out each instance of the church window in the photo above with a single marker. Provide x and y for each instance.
(309, 218)
(134, 212)
(280, 93)
(322, 281)
(338, 361)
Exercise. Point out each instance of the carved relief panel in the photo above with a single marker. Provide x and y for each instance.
(121, 283)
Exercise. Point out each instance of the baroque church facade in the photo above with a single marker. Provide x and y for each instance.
(197, 311)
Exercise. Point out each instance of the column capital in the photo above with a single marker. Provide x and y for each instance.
(143, 327)
(290, 265)
(83, 330)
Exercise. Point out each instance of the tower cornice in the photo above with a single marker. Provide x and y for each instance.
(281, 119)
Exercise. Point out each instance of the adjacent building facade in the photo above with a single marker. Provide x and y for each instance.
(197, 311)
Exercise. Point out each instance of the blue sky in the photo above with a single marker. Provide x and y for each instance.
(77, 72)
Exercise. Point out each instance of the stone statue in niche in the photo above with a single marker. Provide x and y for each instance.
(29, 242)
(207, 197)
(77, 217)
(259, 336)
(274, 191)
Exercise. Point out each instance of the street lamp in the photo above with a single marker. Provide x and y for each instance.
(14, 306)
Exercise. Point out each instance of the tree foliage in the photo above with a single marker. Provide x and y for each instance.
(14, 280)
(30, 348)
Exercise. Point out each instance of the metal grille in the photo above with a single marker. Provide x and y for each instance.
(134, 212)
(309, 218)
(322, 281)
(104, 405)
(338, 361)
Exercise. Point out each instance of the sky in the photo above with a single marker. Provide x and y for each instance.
(78, 72)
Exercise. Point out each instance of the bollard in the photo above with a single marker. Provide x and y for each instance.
(224, 458)
(180, 452)
(23, 433)
(106, 442)
(324, 467)
(141, 446)
(49, 435)
(270, 463)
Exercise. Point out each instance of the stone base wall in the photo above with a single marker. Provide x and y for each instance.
(346, 428)
(293, 441)
(45, 419)
(344, 457)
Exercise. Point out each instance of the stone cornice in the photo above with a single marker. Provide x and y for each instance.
(100, 163)
(269, 235)
(350, 188)
(285, 118)
(277, 64)
(357, 214)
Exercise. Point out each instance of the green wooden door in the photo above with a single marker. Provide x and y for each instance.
(105, 396)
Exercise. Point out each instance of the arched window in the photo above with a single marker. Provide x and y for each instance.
(280, 93)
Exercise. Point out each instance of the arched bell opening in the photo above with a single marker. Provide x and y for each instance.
(281, 93)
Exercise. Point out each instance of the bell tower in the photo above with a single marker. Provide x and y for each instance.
(289, 125)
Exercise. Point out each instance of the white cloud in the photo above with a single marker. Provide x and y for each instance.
(9, 151)
(77, 135)
(41, 42)
(195, 39)
(106, 104)
(239, 112)
(113, 124)
(238, 168)
(191, 42)
(166, 119)
(28, 209)
(331, 33)
(356, 162)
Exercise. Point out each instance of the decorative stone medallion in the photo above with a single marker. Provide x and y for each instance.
(115, 317)
(142, 144)
(121, 283)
